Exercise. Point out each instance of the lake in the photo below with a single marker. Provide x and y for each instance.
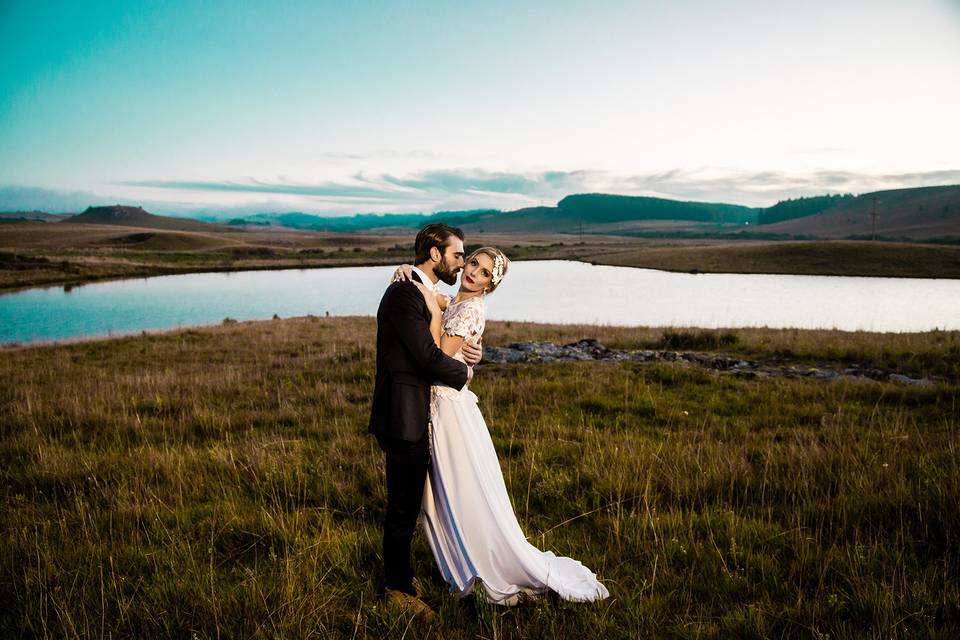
(554, 291)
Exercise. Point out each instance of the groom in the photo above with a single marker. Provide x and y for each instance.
(408, 362)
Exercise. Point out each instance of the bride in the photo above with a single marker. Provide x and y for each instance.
(468, 519)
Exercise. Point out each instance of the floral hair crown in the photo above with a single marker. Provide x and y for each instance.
(497, 269)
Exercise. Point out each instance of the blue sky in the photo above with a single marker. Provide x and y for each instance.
(348, 107)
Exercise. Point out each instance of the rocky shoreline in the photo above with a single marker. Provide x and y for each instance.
(592, 350)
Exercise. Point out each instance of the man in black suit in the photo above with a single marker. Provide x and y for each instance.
(408, 362)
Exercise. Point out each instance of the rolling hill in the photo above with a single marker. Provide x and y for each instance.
(606, 213)
(920, 213)
(800, 207)
(589, 213)
(137, 217)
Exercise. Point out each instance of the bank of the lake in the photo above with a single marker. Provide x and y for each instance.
(219, 481)
(823, 257)
(52, 254)
(536, 291)
(20, 272)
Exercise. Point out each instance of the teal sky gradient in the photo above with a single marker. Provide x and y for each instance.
(386, 106)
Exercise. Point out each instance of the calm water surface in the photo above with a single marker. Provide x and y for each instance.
(540, 291)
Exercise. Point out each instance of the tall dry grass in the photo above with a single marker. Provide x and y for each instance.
(816, 257)
(218, 482)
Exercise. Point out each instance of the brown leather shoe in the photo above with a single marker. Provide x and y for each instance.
(410, 604)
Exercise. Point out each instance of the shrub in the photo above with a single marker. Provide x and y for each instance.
(697, 339)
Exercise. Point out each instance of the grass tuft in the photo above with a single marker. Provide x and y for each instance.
(219, 482)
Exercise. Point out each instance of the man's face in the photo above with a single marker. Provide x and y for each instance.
(451, 261)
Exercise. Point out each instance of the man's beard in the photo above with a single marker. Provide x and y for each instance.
(445, 273)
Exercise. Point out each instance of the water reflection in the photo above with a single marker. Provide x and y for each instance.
(540, 291)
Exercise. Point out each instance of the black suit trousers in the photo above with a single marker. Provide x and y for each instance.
(407, 464)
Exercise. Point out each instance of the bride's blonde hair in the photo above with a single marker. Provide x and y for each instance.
(498, 257)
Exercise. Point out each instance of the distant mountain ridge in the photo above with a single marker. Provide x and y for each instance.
(582, 213)
(920, 213)
(357, 222)
(138, 217)
(574, 213)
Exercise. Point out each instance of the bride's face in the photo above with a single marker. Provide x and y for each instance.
(477, 273)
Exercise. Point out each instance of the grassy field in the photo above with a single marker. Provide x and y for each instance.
(218, 482)
(37, 254)
(827, 257)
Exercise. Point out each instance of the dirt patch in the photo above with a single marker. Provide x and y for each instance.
(132, 238)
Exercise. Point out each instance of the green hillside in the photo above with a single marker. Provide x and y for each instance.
(801, 207)
(916, 213)
(601, 207)
(571, 214)
(921, 213)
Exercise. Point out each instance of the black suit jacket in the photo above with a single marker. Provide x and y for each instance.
(408, 362)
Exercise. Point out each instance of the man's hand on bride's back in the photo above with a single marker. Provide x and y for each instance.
(430, 298)
(472, 353)
(403, 272)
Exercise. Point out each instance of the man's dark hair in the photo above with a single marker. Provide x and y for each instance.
(434, 235)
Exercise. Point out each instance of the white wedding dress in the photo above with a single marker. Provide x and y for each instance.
(467, 516)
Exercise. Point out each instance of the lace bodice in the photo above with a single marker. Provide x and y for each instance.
(465, 319)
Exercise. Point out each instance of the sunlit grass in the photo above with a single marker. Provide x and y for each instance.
(40, 254)
(220, 482)
(818, 257)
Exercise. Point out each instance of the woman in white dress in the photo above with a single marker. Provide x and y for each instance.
(468, 518)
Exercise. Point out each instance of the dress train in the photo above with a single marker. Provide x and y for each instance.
(469, 520)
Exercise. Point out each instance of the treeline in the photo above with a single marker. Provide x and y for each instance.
(570, 214)
(357, 222)
(601, 207)
(801, 207)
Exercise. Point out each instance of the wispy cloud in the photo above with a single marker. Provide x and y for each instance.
(433, 186)
(469, 188)
(326, 189)
(372, 155)
(476, 188)
(764, 188)
(468, 179)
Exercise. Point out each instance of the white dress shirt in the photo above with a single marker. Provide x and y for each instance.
(430, 284)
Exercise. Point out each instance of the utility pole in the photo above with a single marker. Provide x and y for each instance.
(873, 216)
